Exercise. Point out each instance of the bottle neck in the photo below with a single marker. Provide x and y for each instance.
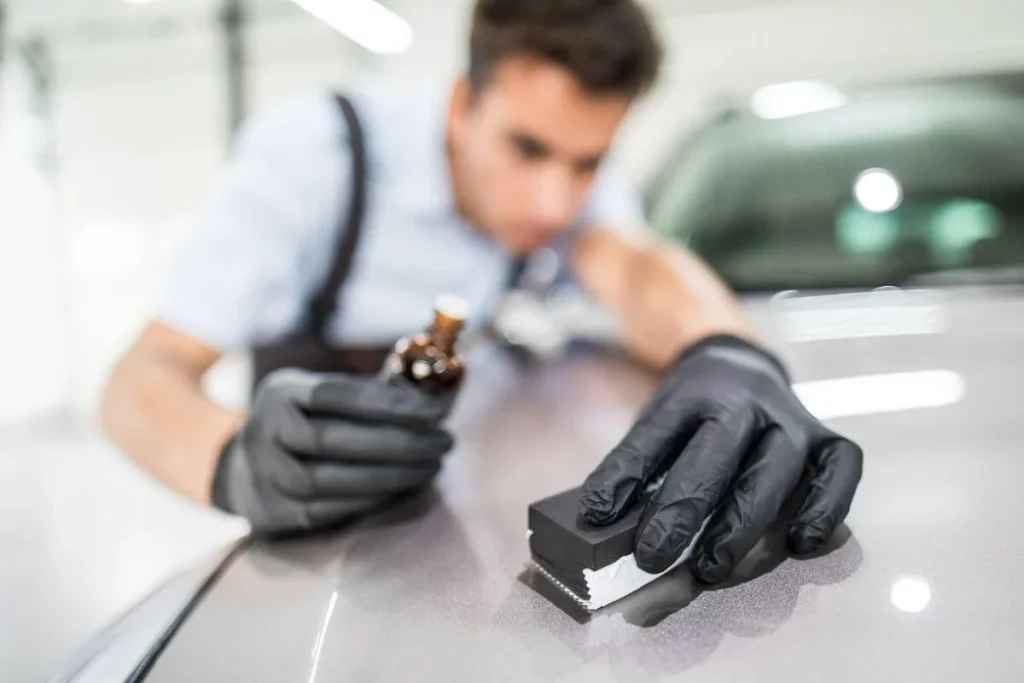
(445, 331)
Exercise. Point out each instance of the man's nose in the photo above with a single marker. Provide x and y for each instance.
(555, 198)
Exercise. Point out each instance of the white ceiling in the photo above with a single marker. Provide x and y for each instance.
(63, 14)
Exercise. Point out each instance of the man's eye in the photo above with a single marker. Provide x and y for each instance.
(530, 150)
(588, 166)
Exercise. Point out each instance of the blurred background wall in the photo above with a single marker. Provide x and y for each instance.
(114, 118)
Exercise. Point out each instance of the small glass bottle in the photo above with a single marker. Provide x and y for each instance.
(430, 359)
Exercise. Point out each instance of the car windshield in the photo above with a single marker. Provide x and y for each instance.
(882, 191)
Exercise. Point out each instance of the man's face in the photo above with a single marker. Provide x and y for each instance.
(525, 149)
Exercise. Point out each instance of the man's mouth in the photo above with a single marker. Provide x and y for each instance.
(534, 238)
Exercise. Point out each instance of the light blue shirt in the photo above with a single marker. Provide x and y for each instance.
(244, 271)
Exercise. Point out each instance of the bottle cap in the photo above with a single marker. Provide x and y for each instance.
(452, 307)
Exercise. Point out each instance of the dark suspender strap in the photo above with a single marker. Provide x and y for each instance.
(326, 300)
(515, 272)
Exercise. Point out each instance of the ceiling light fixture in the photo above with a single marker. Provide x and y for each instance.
(368, 23)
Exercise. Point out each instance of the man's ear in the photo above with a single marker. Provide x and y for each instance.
(461, 101)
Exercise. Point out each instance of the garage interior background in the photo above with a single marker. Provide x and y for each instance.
(114, 118)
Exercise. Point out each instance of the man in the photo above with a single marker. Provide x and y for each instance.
(446, 190)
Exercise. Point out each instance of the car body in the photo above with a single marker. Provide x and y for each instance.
(916, 353)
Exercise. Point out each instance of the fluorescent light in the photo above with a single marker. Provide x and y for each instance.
(369, 23)
(872, 394)
(783, 100)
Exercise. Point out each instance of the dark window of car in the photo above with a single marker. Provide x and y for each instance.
(877, 192)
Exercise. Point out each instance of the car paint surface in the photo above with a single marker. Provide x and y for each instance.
(921, 585)
(117, 651)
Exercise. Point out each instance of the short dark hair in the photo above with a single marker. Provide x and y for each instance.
(608, 45)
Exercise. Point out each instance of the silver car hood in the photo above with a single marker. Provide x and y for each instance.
(922, 586)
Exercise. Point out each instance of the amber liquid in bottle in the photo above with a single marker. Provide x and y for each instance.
(430, 359)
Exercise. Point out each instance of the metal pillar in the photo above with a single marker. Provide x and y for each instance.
(34, 53)
(3, 44)
(3, 30)
(232, 21)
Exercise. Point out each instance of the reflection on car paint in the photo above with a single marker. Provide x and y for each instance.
(888, 393)
(885, 312)
(910, 594)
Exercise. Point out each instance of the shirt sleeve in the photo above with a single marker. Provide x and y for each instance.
(244, 269)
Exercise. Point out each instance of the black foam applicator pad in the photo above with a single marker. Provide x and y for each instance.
(564, 544)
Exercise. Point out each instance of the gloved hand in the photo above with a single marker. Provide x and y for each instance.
(733, 442)
(319, 449)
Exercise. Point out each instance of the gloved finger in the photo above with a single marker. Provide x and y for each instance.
(838, 467)
(660, 432)
(770, 474)
(695, 484)
(361, 481)
(272, 465)
(371, 398)
(370, 442)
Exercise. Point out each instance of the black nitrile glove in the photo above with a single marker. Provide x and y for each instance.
(732, 439)
(319, 449)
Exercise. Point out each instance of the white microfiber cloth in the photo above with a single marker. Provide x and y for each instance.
(617, 580)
